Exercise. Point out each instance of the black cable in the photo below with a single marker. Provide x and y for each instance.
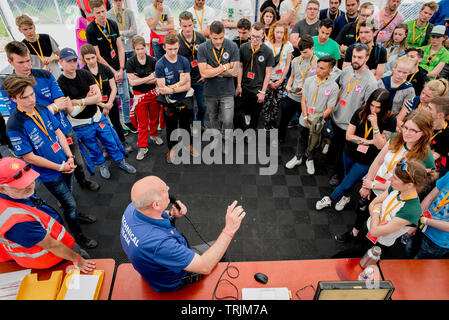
(226, 270)
(196, 231)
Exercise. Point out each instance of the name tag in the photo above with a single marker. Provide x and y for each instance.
(380, 179)
(250, 75)
(69, 141)
(56, 147)
(363, 149)
(311, 110)
(104, 98)
(278, 71)
(371, 238)
(113, 53)
(343, 102)
(194, 63)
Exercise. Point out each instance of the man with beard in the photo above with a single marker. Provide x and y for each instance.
(333, 12)
(356, 83)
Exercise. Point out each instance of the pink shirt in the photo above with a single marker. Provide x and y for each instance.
(386, 33)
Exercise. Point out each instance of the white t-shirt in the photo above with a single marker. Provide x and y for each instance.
(285, 7)
(383, 171)
(288, 48)
(233, 11)
(207, 15)
(150, 12)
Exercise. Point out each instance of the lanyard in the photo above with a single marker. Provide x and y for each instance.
(419, 36)
(109, 32)
(193, 44)
(161, 18)
(357, 36)
(200, 22)
(318, 88)
(430, 59)
(419, 106)
(39, 122)
(347, 20)
(413, 76)
(275, 54)
(308, 68)
(41, 55)
(336, 16)
(442, 203)
(221, 54)
(400, 84)
(444, 128)
(252, 56)
(350, 87)
(100, 83)
(367, 132)
(392, 163)
(391, 202)
(387, 22)
(123, 19)
(297, 9)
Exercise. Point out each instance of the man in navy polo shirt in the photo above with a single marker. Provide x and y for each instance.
(49, 94)
(157, 250)
(36, 136)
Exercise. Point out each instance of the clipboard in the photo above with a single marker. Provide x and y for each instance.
(78, 286)
(33, 289)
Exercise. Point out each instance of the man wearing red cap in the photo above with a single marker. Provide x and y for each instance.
(31, 232)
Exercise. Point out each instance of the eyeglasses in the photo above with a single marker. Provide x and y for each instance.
(19, 174)
(405, 129)
(404, 167)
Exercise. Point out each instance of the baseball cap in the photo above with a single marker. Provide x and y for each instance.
(438, 31)
(67, 54)
(16, 173)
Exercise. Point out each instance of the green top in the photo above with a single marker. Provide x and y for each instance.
(429, 62)
(330, 48)
(410, 211)
(420, 34)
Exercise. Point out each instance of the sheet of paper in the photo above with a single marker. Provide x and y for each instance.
(265, 294)
(82, 287)
(10, 283)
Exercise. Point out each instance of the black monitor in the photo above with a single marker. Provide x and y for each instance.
(354, 290)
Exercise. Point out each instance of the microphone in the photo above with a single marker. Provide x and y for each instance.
(173, 201)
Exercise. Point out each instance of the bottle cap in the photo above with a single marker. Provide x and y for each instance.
(377, 251)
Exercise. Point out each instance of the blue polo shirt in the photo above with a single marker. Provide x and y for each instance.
(28, 234)
(171, 72)
(46, 91)
(156, 249)
(439, 237)
(27, 137)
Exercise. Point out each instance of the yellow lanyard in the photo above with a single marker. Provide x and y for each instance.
(109, 32)
(100, 84)
(444, 128)
(392, 163)
(275, 54)
(39, 123)
(383, 16)
(391, 202)
(347, 20)
(193, 44)
(401, 84)
(357, 36)
(221, 54)
(367, 132)
(200, 22)
(318, 87)
(350, 87)
(308, 68)
(123, 19)
(413, 75)
(419, 36)
(433, 57)
(442, 203)
(297, 9)
(41, 55)
(252, 56)
(336, 16)
(161, 18)
(419, 106)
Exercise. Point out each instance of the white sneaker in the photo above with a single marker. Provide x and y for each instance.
(158, 140)
(340, 205)
(141, 154)
(293, 163)
(323, 203)
(310, 167)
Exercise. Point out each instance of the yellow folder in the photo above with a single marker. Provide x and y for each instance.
(84, 287)
(32, 289)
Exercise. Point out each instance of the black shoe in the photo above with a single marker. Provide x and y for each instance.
(131, 127)
(334, 181)
(86, 218)
(90, 185)
(345, 237)
(86, 242)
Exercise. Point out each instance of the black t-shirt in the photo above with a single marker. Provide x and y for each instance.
(378, 56)
(252, 79)
(347, 35)
(78, 88)
(96, 38)
(269, 3)
(103, 76)
(239, 42)
(141, 71)
(192, 53)
(440, 143)
(351, 148)
(419, 80)
(45, 45)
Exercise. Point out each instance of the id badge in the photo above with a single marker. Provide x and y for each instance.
(371, 238)
(278, 71)
(69, 141)
(194, 63)
(380, 179)
(102, 125)
(251, 75)
(343, 102)
(104, 98)
(56, 147)
(363, 149)
(426, 214)
(311, 110)
(112, 53)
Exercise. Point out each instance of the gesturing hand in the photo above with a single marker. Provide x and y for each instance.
(234, 216)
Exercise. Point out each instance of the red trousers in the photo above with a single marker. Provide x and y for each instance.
(149, 115)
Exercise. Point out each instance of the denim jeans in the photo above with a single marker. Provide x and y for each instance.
(123, 92)
(223, 105)
(200, 102)
(158, 50)
(61, 188)
(354, 172)
(427, 249)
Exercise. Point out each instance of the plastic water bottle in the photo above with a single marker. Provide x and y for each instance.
(367, 274)
(371, 257)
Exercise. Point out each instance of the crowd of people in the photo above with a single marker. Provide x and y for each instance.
(363, 87)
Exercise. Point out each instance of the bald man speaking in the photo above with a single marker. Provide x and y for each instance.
(156, 249)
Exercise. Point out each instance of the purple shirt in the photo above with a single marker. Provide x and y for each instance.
(386, 33)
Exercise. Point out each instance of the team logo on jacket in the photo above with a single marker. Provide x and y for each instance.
(261, 59)
(226, 55)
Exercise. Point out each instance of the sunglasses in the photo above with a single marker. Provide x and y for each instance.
(20, 173)
(404, 167)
